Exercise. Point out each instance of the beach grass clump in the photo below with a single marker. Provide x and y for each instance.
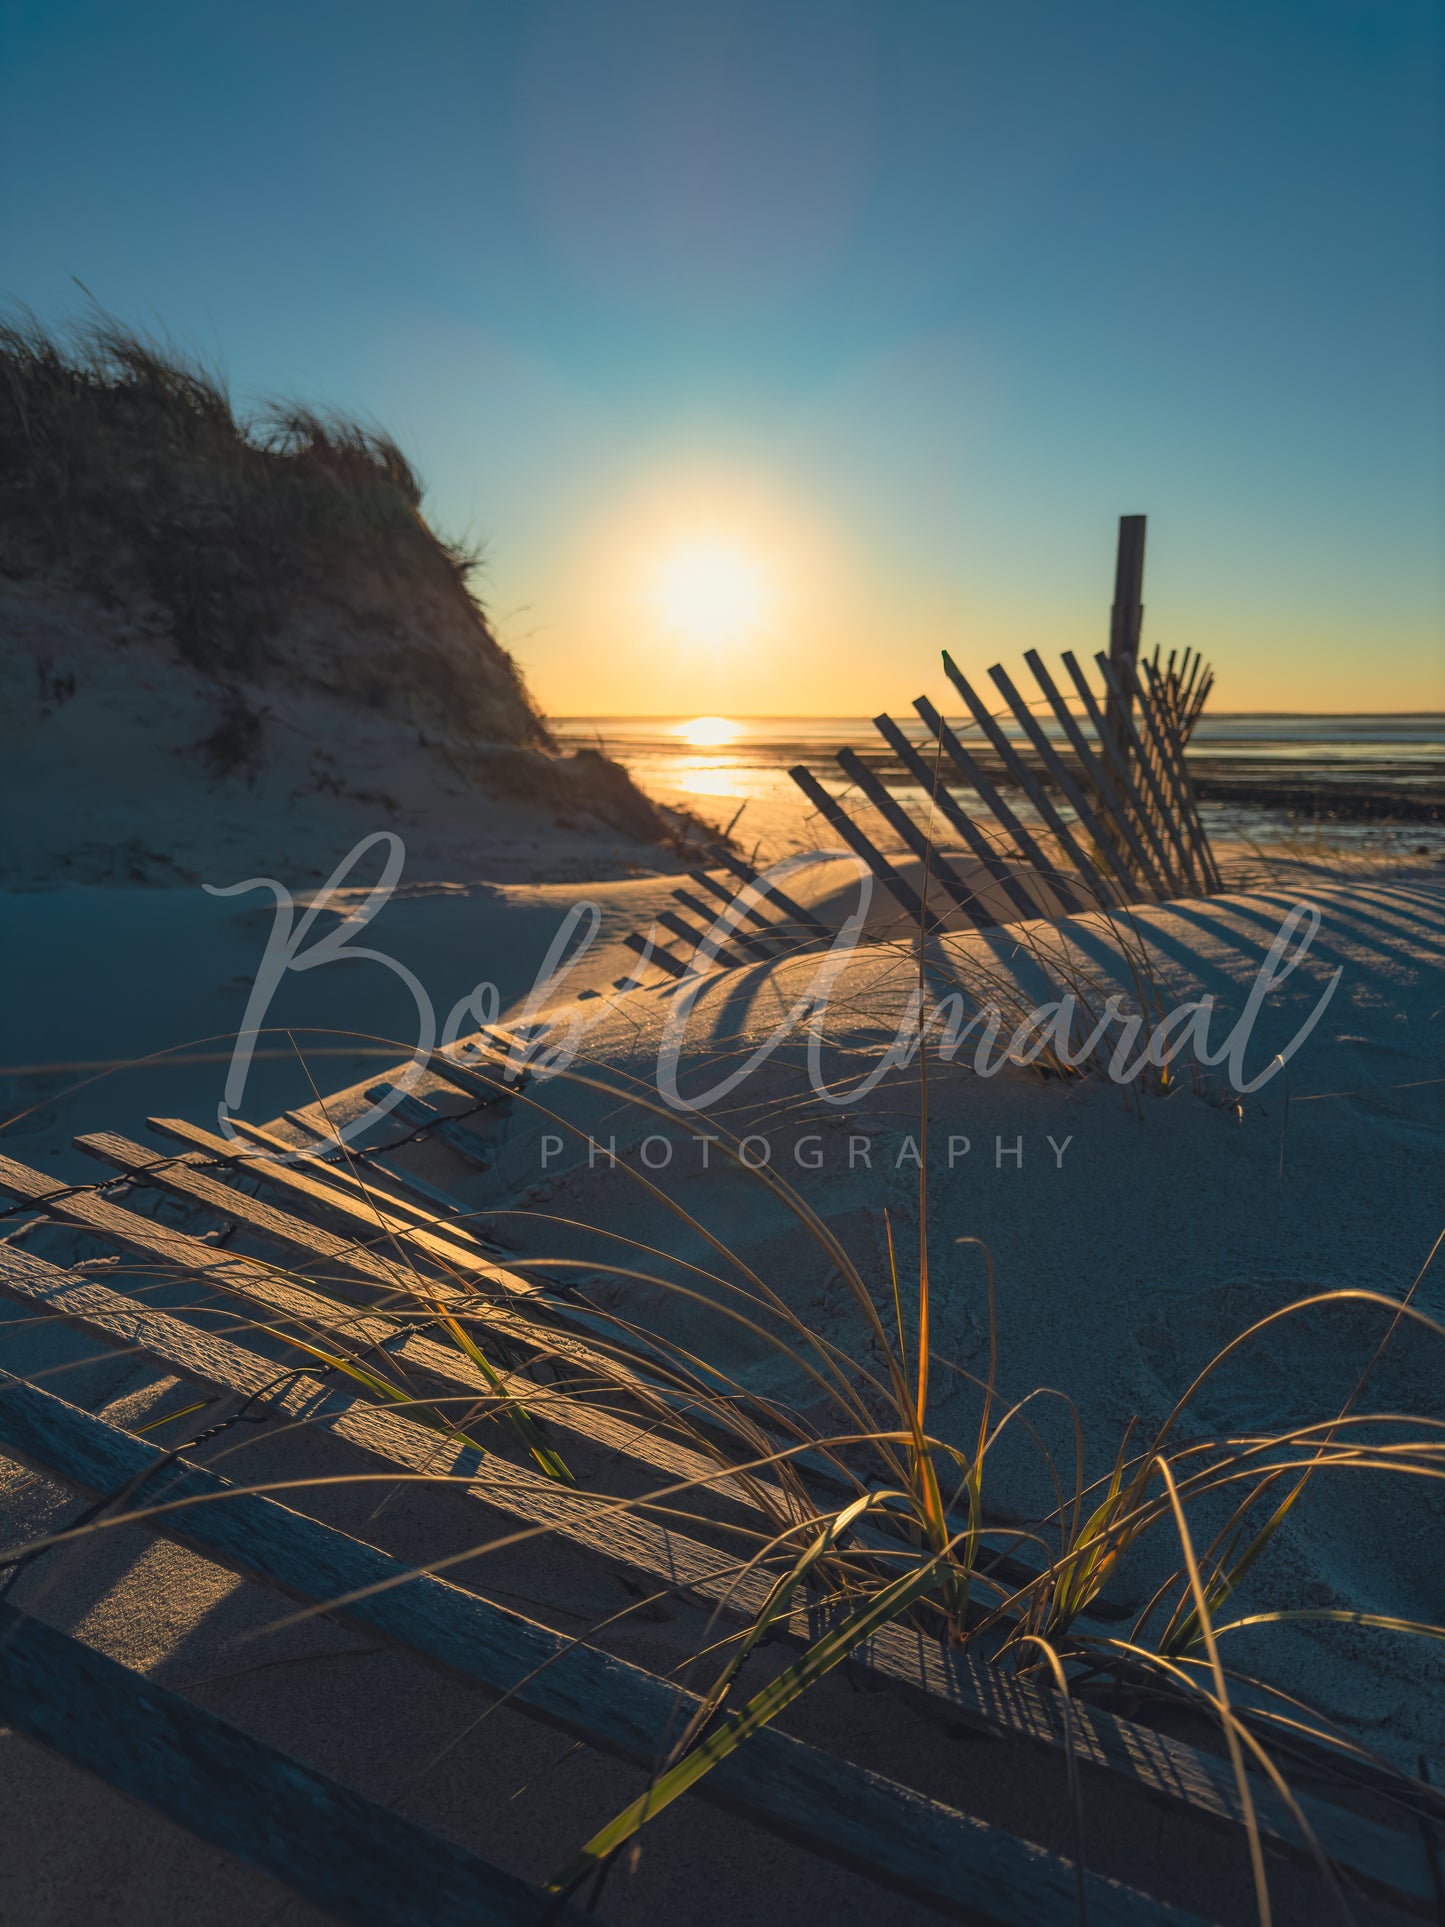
(888, 1522)
(126, 466)
(867, 1516)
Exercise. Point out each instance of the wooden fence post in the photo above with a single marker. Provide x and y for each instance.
(1126, 621)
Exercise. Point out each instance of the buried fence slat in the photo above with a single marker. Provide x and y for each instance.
(654, 953)
(840, 1810)
(396, 1189)
(440, 1125)
(1153, 776)
(731, 929)
(902, 892)
(554, 1346)
(931, 781)
(245, 1279)
(324, 1146)
(1103, 837)
(722, 958)
(1113, 796)
(906, 1842)
(594, 1523)
(934, 862)
(1123, 774)
(331, 1164)
(1046, 872)
(610, 1529)
(463, 1386)
(1028, 783)
(348, 1203)
(357, 1861)
(785, 940)
(671, 1560)
(370, 1267)
(747, 874)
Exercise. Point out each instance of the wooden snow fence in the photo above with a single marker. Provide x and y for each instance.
(358, 1275)
(1067, 801)
(1052, 804)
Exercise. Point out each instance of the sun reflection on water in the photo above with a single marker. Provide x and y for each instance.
(708, 732)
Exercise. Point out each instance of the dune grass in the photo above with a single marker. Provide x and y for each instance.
(867, 1514)
(125, 463)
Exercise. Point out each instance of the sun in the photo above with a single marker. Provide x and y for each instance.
(711, 592)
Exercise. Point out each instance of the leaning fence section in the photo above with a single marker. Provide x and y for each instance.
(1072, 799)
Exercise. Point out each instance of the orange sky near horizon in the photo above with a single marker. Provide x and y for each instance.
(700, 591)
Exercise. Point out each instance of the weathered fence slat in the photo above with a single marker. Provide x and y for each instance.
(609, 1529)
(1130, 805)
(351, 1202)
(731, 930)
(1126, 615)
(445, 1129)
(781, 935)
(931, 782)
(1113, 797)
(1153, 812)
(1172, 743)
(1154, 748)
(723, 956)
(1046, 872)
(1153, 732)
(244, 1279)
(455, 1386)
(902, 891)
(935, 863)
(1186, 693)
(1153, 776)
(1158, 742)
(326, 1151)
(491, 1646)
(745, 873)
(871, 1824)
(654, 953)
(1199, 701)
(1018, 768)
(1100, 830)
(357, 1861)
(565, 1328)
(332, 1160)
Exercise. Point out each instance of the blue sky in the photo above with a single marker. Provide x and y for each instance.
(898, 305)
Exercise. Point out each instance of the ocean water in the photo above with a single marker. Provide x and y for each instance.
(746, 758)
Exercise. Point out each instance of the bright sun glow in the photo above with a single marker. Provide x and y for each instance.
(711, 592)
(707, 732)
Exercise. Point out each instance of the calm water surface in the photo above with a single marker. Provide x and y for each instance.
(725, 762)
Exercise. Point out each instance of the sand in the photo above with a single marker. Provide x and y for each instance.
(1124, 1259)
(1133, 1233)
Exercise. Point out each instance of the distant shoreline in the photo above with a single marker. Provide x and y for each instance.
(1342, 766)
